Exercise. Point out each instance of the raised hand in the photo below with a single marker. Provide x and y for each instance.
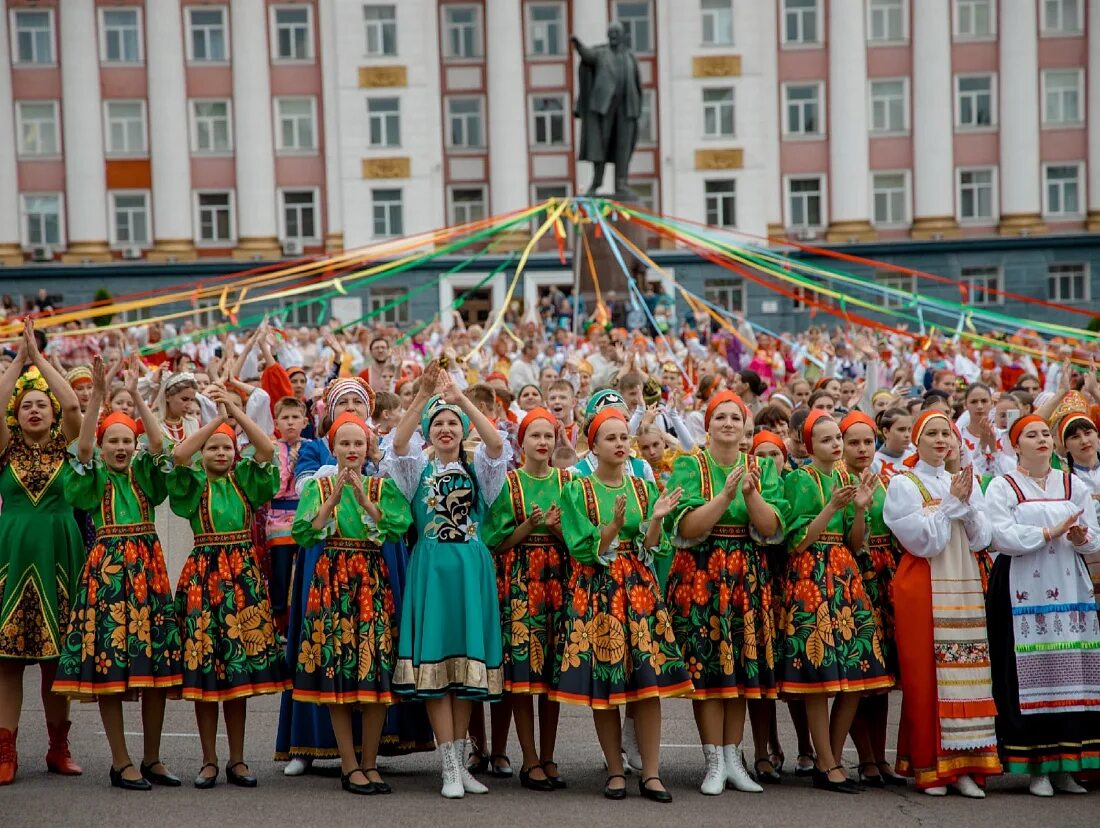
(620, 512)
(733, 482)
(666, 503)
(553, 517)
(962, 484)
(1067, 526)
(751, 482)
(99, 377)
(535, 518)
(842, 496)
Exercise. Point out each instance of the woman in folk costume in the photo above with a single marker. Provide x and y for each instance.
(449, 647)
(1078, 439)
(41, 551)
(946, 736)
(720, 590)
(621, 646)
(123, 637)
(1044, 630)
(229, 649)
(829, 643)
(349, 630)
(523, 529)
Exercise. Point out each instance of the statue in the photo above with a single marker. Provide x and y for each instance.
(609, 104)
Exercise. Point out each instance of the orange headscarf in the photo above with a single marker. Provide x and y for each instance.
(605, 414)
(536, 413)
(918, 427)
(855, 418)
(717, 400)
(1019, 426)
(808, 427)
(345, 419)
(114, 418)
(769, 437)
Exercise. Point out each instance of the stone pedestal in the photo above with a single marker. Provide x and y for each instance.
(610, 275)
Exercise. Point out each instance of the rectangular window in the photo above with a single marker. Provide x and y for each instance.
(548, 120)
(647, 128)
(467, 204)
(215, 217)
(42, 219)
(381, 297)
(721, 203)
(728, 294)
(1062, 96)
(300, 215)
(296, 124)
(717, 22)
(130, 219)
(37, 128)
(976, 194)
(1062, 183)
(803, 106)
(465, 120)
(120, 38)
(974, 19)
(125, 128)
(897, 281)
(1061, 17)
(381, 28)
(974, 101)
(32, 36)
(890, 197)
(541, 192)
(1067, 283)
(885, 21)
(804, 202)
(384, 122)
(980, 282)
(207, 39)
(210, 128)
(718, 112)
(646, 192)
(888, 106)
(545, 29)
(801, 22)
(461, 32)
(293, 36)
(637, 25)
(388, 212)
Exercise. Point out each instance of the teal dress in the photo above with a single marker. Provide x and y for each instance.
(450, 638)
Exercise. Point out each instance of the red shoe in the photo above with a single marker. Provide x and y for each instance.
(58, 758)
(9, 760)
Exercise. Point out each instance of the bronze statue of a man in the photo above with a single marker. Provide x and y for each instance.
(609, 104)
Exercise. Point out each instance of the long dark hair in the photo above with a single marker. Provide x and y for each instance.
(1075, 427)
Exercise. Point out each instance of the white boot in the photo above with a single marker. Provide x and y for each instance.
(968, 787)
(736, 775)
(1066, 784)
(1040, 785)
(452, 782)
(469, 784)
(631, 752)
(296, 766)
(938, 790)
(714, 777)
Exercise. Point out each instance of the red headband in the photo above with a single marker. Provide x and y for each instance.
(857, 418)
(344, 419)
(295, 369)
(768, 437)
(808, 427)
(1019, 426)
(606, 414)
(1069, 420)
(532, 415)
(114, 418)
(717, 400)
(923, 420)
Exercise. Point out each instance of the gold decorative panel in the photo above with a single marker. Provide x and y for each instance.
(370, 76)
(716, 66)
(719, 159)
(386, 167)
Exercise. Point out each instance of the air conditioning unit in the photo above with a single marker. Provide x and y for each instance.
(132, 252)
(292, 247)
(806, 234)
(41, 254)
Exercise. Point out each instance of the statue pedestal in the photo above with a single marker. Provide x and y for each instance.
(613, 282)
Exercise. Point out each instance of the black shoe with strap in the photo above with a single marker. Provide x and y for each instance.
(240, 780)
(168, 780)
(874, 780)
(889, 777)
(555, 779)
(824, 783)
(652, 794)
(379, 786)
(120, 781)
(367, 789)
(614, 793)
(769, 776)
(526, 781)
(205, 783)
(500, 772)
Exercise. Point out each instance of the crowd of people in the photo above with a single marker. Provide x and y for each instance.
(390, 528)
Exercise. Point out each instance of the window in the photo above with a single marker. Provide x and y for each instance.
(545, 29)
(32, 36)
(974, 19)
(800, 22)
(896, 281)
(646, 192)
(120, 35)
(292, 37)
(888, 107)
(42, 219)
(464, 117)
(467, 204)
(129, 219)
(980, 281)
(804, 202)
(1068, 283)
(728, 294)
(885, 21)
(206, 39)
(1062, 96)
(296, 118)
(461, 32)
(636, 24)
(300, 215)
(384, 122)
(890, 197)
(37, 128)
(974, 101)
(548, 120)
(721, 203)
(646, 132)
(125, 128)
(210, 131)
(380, 297)
(718, 112)
(1062, 188)
(976, 194)
(803, 109)
(717, 23)
(215, 219)
(541, 192)
(388, 212)
(381, 28)
(1062, 17)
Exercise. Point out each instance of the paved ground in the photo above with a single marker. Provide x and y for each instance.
(38, 799)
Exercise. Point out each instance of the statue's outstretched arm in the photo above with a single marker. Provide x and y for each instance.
(588, 55)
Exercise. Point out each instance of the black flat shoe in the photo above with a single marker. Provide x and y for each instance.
(205, 783)
(766, 777)
(824, 783)
(370, 789)
(477, 762)
(119, 781)
(875, 781)
(379, 786)
(166, 779)
(534, 784)
(614, 793)
(664, 797)
(236, 778)
(889, 777)
(497, 771)
(556, 780)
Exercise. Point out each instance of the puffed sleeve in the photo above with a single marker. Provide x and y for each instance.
(151, 475)
(921, 532)
(85, 482)
(491, 471)
(771, 489)
(803, 505)
(581, 537)
(1082, 499)
(309, 504)
(259, 481)
(258, 408)
(396, 514)
(500, 521)
(405, 470)
(687, 476)
(185, 487)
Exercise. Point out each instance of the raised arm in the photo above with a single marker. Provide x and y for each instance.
(586, 53)
(85, 445)
(490, 437)
(148, 418)
(410, 420)
(7, 387)
(260, 441)
(71, 418)
(186, 448)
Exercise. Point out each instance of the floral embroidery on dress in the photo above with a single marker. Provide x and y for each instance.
(35, 466)
(450, 497)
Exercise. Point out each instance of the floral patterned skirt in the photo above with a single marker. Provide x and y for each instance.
(877, 567)
(828, 640)
(720, 599)
(530, 587)
(229, 649)
(347, 653)
(122, 635)
(618, 644)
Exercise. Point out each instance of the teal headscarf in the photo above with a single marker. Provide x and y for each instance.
(602, 399)
(434, 406)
